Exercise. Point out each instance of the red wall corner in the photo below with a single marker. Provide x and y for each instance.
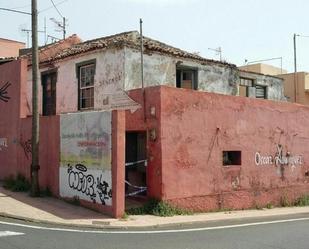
(118, 162)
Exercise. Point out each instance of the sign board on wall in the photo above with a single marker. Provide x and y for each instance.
(85, 159)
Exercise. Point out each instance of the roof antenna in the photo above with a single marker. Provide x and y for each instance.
(62, 25)
(218, 51)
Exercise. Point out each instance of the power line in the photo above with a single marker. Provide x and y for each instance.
(16, 11)
(50, 7)
(56, 8)
(27, 13)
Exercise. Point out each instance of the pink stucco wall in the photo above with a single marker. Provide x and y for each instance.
(10, 78)
(194, 128)
(145, 121)
(16, 129)
(15, 140)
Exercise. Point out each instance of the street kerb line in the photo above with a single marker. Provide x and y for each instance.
(154, 231)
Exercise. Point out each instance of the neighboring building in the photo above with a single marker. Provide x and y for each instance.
(301, 80)
(10, 48)
(263, 69)
(294, 84)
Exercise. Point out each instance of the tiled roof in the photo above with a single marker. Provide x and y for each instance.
(129, 39)
(50, 50)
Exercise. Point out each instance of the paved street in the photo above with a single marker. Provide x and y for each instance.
(282, 233)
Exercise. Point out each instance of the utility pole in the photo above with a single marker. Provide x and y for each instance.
(35, 190)
(142, 64)
(64, 31)
(295, 70)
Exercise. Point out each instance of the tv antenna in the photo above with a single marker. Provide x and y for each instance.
(27, 32)
(61, 26)
(218, 51)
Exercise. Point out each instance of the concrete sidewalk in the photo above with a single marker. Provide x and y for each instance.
(53, 211)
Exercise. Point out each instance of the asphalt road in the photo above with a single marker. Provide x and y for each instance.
(281, 232)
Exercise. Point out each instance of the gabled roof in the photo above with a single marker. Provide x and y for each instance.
(129, 39)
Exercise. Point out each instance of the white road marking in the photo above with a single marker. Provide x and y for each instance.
(155, 231)
(9, 233)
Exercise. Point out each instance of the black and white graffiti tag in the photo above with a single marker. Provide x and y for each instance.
(3, 92)
(79, 180)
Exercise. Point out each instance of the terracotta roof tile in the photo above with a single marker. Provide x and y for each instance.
(129, 39)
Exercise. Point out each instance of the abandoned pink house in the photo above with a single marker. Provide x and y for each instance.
(201, 135)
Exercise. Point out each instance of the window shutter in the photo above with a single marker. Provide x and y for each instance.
(260, 92)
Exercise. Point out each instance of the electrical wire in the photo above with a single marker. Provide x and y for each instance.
(50, 7)
(56, 8)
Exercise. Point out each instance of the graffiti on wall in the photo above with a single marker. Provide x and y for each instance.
(280, 158)
(27, 147)
(113, 97)
(3, 143)
(87, 184)
(4, 93)
(85, 159)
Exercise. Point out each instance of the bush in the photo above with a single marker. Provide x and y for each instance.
(302, 201)
(158, 208)
(18, 184)
(269, 206)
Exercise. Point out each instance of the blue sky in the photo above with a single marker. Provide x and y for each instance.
(244, 29)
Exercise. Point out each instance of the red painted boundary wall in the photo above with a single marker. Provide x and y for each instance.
(15, 141)
(194, 128)
(15, 128)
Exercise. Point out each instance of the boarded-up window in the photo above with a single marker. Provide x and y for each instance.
(244, 86)
(248, 88)
(246, 82)
(186, 78)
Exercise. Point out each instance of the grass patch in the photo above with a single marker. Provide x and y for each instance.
(269, 206)
(16, 184)
(302, 201)
(124, 217)
(158, 208)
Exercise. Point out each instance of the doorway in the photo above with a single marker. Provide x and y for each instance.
(135, 168)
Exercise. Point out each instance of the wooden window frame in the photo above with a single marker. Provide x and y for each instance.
(47, 112)
(79, 66)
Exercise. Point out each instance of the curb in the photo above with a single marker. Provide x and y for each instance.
(107, 225)
(46, 222)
